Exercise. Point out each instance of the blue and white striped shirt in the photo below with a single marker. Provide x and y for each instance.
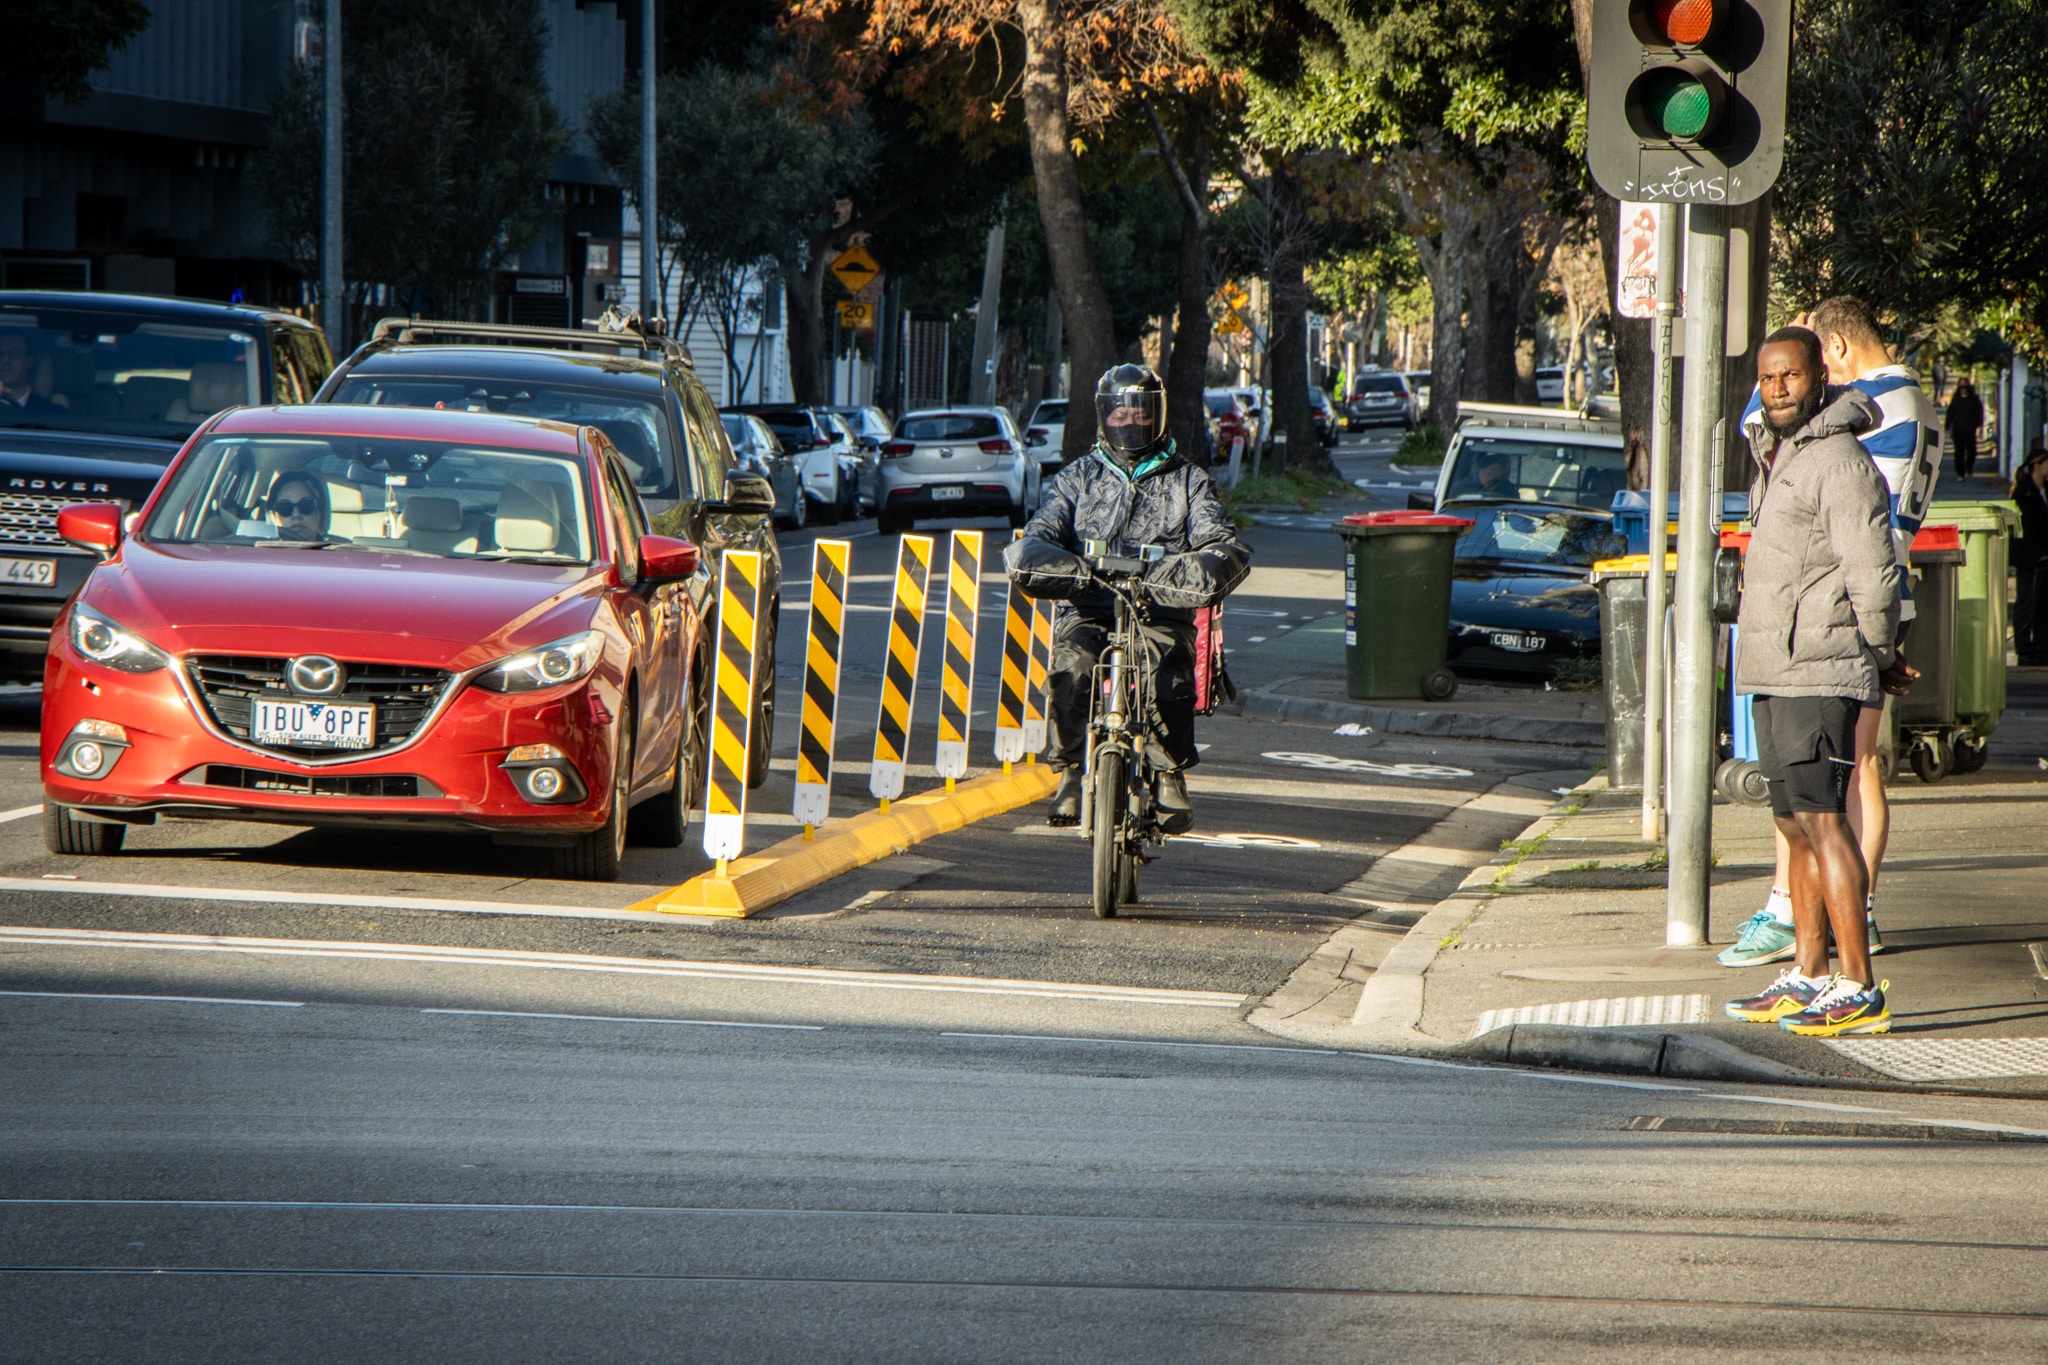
(1905, 446)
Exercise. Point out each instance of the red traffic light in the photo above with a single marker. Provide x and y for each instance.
(1677, 23)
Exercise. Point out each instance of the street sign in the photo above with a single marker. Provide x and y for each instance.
(1686, 101)
(1635, 283)
(856, 316)
(1233, 295)
(855, 268)
(1229, 325)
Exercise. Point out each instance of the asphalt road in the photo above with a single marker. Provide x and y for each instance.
(358, 1177)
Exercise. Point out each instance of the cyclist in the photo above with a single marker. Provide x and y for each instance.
(1133, 489)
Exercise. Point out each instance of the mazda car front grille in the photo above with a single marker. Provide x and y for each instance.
(404, 696)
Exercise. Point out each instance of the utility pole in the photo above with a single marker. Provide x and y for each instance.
(1692, 694)
(333, 304)
(981, 379)
(1654, 595)
(650, 231)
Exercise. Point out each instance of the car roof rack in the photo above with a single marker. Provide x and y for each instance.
(618, 331)
(1542, 419)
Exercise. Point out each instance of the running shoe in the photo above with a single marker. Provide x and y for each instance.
(1789, 994)
(1762, 940)
(1844, 1007)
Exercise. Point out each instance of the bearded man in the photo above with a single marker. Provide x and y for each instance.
(1819, 641)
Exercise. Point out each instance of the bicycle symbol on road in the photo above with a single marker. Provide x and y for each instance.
(1282, 841)
(1332, 763)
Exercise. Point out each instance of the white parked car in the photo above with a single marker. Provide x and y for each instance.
(1550, 385)
(955, 462)
(1045, 434)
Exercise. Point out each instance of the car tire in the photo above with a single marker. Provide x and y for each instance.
(64, 832)
(595, 857)
(761, 734)
(1019, 515)
(800, 511)
(664, 821)
(887, 525)
(828, 512)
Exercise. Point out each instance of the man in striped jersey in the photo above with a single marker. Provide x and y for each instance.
(1906, 447)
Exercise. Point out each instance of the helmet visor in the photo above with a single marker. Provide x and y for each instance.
(1131, 420)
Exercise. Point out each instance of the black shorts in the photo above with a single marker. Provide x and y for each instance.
(1807, 748)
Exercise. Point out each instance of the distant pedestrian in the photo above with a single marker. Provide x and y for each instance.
(1965, 419)
(2030, 559)
(1819, 627)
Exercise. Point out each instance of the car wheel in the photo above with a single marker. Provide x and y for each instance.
(799, 511)
(828, 510)
(888, 525)
(663, 821)
(64, 832)
(762, 733)
(595, 857)
(1019, 515)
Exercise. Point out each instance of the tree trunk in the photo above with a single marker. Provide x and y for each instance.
(803, 286)
(1084, 304)
(1187, 364)
(1443, 263)
(1287, 344)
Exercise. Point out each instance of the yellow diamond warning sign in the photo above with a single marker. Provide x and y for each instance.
(855, 268)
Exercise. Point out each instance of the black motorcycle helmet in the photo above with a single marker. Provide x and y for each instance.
(1127, 389)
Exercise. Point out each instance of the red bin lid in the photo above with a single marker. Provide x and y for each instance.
(1938, 538)
(1407, 517)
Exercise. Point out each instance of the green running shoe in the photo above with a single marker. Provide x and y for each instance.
(1762, 940)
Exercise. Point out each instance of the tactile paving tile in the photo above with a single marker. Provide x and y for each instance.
(1620, 1012)
(1947, 1059)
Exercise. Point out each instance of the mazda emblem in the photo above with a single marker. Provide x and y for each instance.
(315, 675)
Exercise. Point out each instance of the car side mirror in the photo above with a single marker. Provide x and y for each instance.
(747, 495)
(94, 526)
(664, 559)
(1422, 502)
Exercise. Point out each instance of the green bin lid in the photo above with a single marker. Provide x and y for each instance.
(1976, 516)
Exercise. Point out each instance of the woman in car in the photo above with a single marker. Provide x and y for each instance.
(297, 507)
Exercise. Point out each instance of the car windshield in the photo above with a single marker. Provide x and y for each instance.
(1532, 535)
(949, 426)
(450, 500)
(76, 369)
(1378, 383)
(1220, 404)
(1490, 468)
(633, 424)
(792, 426)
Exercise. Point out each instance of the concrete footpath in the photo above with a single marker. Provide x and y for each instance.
(1553, 954)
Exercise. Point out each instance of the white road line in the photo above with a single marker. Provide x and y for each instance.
(19, 813)
(173, 999)
(1145, 1042)
(238, 896)
(628, 1019)
(621, 966)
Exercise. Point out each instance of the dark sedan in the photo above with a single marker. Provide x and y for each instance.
(1520, 602)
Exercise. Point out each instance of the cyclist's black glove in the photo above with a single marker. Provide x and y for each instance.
(1041, 569)
(1197, 578)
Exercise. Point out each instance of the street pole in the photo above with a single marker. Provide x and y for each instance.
(333, 306)
(981, 377)
(1690, 849)
(1654, 594)
(650, 235)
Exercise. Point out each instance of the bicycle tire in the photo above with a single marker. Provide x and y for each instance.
(1110, 796)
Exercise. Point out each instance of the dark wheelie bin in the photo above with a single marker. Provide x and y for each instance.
(1397, 603)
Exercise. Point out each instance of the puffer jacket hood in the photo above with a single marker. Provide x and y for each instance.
(1820, 597)
(1163, 501)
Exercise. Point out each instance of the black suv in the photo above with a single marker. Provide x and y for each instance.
(641, 390)
(97, 392)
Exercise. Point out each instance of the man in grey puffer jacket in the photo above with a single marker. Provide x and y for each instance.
(1133, 489)
(1819, 630)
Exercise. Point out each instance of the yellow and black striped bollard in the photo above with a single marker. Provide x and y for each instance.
(829, 559)
(1016, 676)
(899, 671)
(732, 709)
(956, 687)
(1035, 701)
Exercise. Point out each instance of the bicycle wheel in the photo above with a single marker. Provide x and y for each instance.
(1110, 796)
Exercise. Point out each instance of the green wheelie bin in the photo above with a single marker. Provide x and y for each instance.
(1986, 530)
(1397, 603)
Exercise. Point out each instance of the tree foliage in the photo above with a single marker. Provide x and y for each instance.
(59, 44)
(448, 135)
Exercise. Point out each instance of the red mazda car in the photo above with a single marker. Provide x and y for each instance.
(382, 617)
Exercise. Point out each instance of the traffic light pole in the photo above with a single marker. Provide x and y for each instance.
(1692, 694)
(1654, 583)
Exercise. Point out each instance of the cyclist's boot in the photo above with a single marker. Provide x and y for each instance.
(1066, 802)
(1176, 811)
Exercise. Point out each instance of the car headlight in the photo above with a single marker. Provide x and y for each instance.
(566, 660)
(106, 643)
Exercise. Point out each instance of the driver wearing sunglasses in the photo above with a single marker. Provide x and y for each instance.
(297, 506)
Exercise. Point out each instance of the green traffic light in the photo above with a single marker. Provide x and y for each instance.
(1677, 103)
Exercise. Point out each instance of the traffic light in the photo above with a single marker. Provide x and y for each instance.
(1687, 98)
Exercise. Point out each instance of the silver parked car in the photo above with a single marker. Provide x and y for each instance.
(756, 447)
(955, 462)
